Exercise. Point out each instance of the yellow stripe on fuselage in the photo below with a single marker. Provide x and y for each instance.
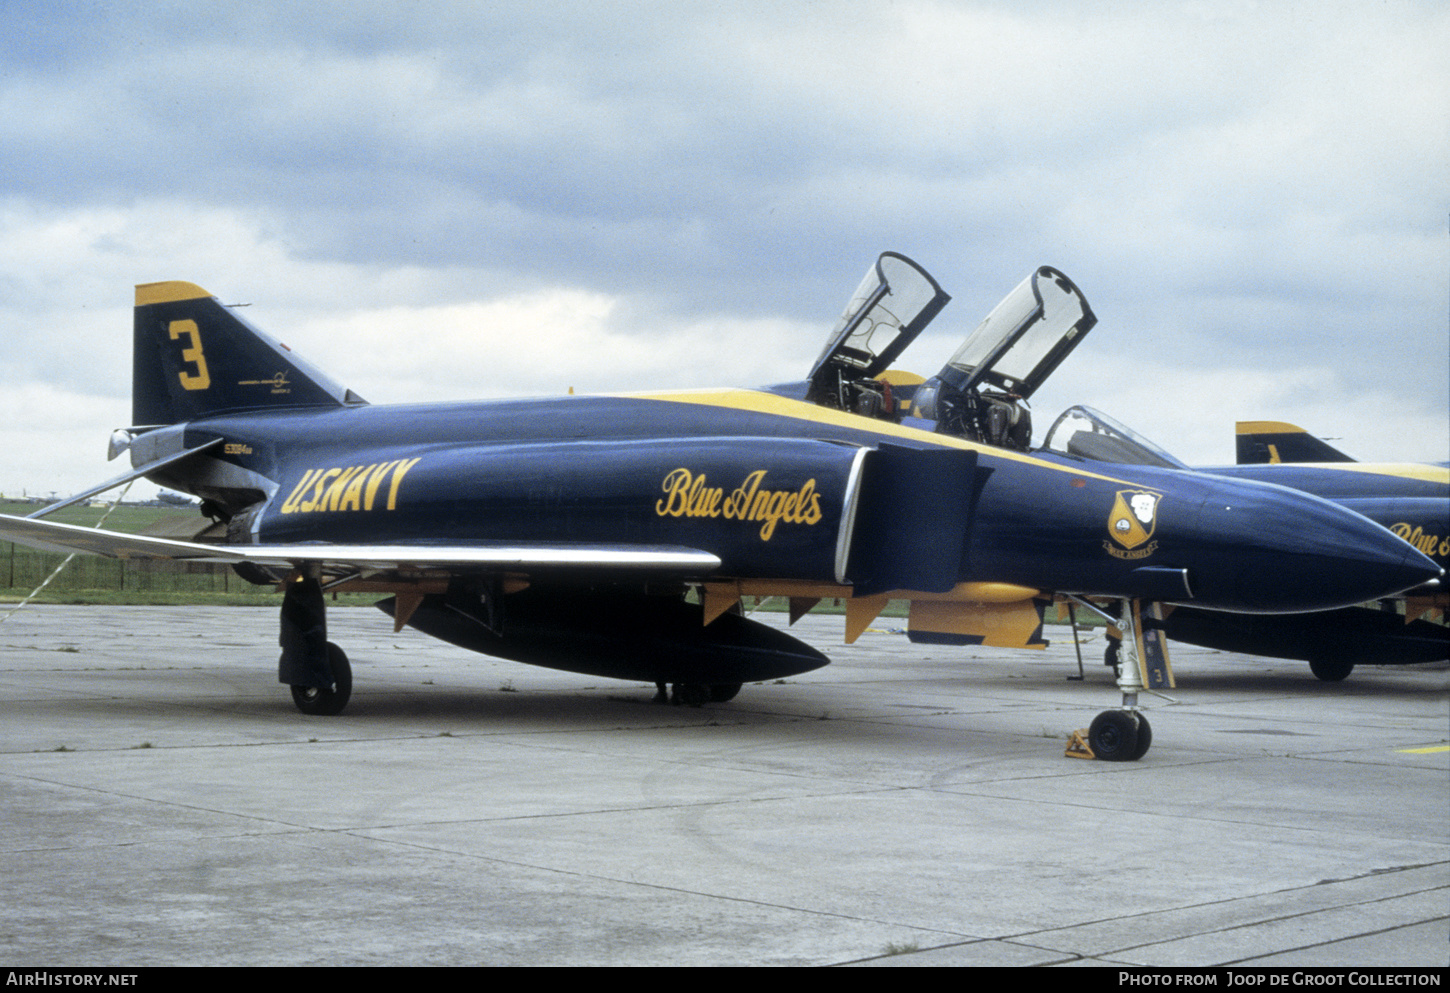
(1403, 470)
(771, 403)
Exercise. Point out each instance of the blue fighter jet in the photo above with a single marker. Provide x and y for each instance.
(617, 535)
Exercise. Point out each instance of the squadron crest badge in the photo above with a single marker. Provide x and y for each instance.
(1131, 523)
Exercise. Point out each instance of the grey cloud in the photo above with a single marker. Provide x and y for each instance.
(1229, 184)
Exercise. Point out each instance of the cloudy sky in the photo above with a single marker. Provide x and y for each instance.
(438, 200)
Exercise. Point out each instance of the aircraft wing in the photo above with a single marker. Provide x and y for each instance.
(523, 556)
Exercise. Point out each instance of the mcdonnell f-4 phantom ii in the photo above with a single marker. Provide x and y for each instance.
(568, 531)
(1412, 500)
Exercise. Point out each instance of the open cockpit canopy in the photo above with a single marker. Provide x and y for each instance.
(1024, 338)
(896, 300)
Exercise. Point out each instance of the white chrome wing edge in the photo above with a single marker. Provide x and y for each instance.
(54, 537)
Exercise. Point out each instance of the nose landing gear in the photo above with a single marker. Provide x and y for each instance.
(1124, 735)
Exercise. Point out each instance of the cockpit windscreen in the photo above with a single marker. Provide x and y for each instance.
(1084, 433)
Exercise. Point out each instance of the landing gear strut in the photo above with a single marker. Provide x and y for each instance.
(1123, 735)
(316, 670)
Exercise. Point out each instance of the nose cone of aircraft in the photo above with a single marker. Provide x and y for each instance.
(1272, 550)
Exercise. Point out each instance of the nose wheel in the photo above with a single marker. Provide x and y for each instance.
(1120, 735)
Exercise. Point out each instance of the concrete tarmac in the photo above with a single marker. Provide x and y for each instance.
(164, 804)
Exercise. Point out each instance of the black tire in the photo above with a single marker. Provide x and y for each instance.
(724, 692)
(1145, 736)
(690, 694)
(1331, 670)
(1113, 736)
(319, 702)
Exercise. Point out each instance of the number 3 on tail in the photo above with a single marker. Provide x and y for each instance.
(200, 379)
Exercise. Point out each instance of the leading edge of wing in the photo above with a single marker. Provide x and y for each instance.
(54, 537)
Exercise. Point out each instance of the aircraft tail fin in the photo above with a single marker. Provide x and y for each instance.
(193, 357)
(1260, 442)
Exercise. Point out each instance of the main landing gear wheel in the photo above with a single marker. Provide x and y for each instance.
(1120, 736)
(689, 694)
(699, 694)
(321, 702)
(1331, 670)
